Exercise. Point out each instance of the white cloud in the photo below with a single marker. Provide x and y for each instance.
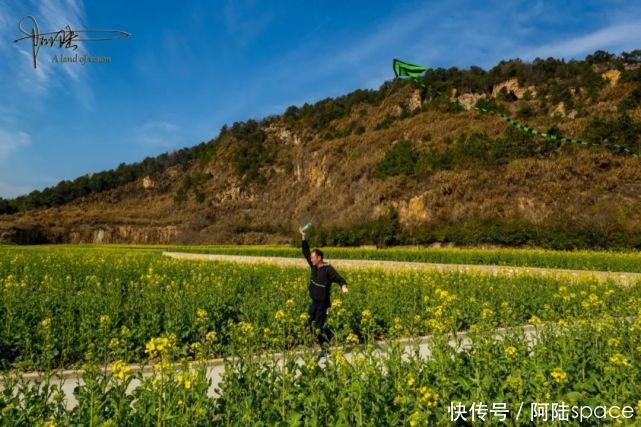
(619, 37)
(51, 15)
(11, 140)
(158, 134)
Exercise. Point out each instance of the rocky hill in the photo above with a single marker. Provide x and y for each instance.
(399, 165)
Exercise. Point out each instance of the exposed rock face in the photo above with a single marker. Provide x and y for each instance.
(512, 85)
(397, 110)
(317, 176)
(283, 135)
(415, 100)
(29, 235)
(467, 99)
(35, 234)
(316, 171)
(148, 183)
(233, 191)
(612, 76)
(560, 110)
(413, 210)
(123, 234)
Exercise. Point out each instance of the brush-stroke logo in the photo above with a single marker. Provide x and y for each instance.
(66, 38)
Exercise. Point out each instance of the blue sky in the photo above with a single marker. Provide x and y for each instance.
(192, 66)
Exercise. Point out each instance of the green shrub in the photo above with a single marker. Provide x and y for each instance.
(400, 159)
(385, 123)
(250, 151)
(622, 131)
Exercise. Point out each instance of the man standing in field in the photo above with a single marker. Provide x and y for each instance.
(322, 276)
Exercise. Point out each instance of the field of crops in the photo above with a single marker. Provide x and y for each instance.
(89, 307)
(620, 261)
(573, 260)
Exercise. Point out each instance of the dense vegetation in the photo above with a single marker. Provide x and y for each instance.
(93, 300)
(553, 76)
(104, 309)
(557, 234)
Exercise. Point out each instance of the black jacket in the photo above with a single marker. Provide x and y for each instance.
(321, 278)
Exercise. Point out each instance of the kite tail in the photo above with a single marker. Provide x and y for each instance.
(531, 131)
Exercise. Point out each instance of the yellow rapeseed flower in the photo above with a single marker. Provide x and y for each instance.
(487, 313)
(352, 339)
(511, 352)
(559, 375)
(158, 345)
(120, 369)
(619, 360)
(410, 380)
(246, 328)
(414, 418)
(428, 397)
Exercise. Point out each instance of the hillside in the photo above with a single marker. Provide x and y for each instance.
(397, 165)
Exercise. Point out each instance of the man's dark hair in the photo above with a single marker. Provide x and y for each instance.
(318, 252)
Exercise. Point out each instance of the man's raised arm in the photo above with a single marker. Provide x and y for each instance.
(305, 247)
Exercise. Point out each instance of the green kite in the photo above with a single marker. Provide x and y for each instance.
(403, 69)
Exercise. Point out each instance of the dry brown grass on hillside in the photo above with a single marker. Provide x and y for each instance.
(332, 182)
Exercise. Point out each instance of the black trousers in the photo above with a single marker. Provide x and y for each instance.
(317, 317)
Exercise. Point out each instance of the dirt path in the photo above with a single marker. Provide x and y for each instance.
(622, 277)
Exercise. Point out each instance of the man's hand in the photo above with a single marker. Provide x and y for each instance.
(302, 232)
(344, 289)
